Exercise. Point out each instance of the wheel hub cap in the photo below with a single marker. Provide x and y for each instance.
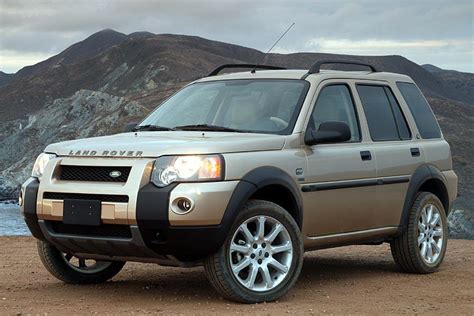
(87, 266)
(261, 253)
(430, 234)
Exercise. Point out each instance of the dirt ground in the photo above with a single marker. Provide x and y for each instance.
(356, 280)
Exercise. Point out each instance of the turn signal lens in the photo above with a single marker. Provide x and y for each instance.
(211, 168)
(40, 165)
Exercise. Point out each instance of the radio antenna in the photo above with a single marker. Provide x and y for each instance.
(265, 55)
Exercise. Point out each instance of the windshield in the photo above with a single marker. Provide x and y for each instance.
(255, 106)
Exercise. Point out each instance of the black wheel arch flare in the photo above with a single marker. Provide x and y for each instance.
(422, 175)
(259, 178)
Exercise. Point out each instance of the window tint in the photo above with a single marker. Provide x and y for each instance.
(403, 129)
(420, 109)
(384, 117)
(335, 104)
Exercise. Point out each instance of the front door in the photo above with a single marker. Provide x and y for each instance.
(340, 188)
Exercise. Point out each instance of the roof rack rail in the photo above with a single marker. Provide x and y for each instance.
(316, 67)
(216, 71)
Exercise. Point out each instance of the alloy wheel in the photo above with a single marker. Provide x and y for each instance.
(430, 234)
(85, 265)
(261, 253)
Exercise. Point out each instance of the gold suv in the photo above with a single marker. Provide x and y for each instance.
(244, 172)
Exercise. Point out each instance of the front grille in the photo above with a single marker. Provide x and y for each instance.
(80, 196)
(104, 230)
(93, 173)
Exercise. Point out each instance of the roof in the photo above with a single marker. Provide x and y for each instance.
(298, 73)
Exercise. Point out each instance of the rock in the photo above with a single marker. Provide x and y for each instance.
(461, 224)
(85, 114)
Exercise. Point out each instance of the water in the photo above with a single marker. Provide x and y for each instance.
(11, 220)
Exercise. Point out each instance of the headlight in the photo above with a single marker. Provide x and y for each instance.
(40, 164)
(171, 169)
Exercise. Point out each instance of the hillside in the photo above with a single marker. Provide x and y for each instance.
(129, 65)
(88, 48)
(96, 85)
(461, 82)
(5, 78)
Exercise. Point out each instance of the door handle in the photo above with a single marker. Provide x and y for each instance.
(415, 152)
(365, 155)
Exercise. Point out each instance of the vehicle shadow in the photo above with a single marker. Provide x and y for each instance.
(190, 285)
(327, 268)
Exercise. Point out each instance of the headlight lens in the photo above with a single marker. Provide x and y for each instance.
(40, 164)
(171, 169)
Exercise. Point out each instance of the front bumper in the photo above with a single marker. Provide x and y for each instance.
(142, 229)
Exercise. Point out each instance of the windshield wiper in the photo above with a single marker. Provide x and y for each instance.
(207, 127)
(150, 127)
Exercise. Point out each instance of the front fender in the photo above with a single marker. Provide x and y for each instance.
(257, 179)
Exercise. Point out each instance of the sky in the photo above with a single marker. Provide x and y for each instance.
(435, 32)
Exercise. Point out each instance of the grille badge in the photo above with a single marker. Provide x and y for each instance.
(115, 174)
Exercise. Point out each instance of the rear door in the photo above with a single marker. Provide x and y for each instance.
(339, 193)
(397, 154)
(435, 149)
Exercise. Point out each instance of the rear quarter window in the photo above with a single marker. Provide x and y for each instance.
(420, 109)
(384, 117)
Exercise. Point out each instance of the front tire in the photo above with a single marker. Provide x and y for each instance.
(421, 248)
(261, 258)
(71, 269)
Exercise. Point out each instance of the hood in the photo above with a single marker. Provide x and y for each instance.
(155, 144)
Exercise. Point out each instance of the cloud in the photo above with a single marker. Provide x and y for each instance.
(330, 45)
(450, 54)
(409, 28)
(13, 60)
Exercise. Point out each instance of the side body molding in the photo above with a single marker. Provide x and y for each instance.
(420, 176)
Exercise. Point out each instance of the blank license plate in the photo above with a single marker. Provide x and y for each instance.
(82, 212)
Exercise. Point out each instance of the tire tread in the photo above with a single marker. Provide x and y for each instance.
(404, 248)
(50, 257)
(222, 280)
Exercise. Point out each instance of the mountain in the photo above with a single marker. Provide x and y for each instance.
(91, 46)
(5, 78)
(127, 68)
(432, 68)
(460, 82)
(97, 85)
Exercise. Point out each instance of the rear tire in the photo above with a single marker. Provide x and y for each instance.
(421, 248)
(70, 269)
(254, 264)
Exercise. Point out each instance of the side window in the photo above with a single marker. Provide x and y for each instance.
(335, 104)
(420, 109)
(384, 117)
(402, 125)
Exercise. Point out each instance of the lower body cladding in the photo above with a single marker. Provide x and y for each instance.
(159, 231)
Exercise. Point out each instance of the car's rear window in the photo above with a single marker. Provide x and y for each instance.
(420, 109)
(384, 117)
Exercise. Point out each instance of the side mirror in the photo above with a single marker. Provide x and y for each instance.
(129, 127)
(328, 132)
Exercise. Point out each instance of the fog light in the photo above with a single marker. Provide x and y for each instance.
(20, 199)
(182, 205)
